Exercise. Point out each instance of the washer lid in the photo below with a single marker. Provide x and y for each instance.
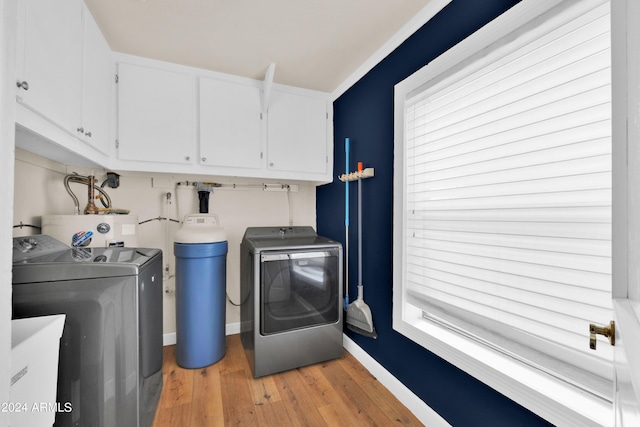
(83, 263)
(200, 228)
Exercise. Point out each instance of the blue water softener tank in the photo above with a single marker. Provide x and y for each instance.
(201, 265)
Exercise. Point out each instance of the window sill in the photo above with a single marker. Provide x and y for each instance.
(552, 399)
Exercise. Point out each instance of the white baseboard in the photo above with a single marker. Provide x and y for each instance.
(169, 339)
(230, 329)
(421, 410)
(233, 328)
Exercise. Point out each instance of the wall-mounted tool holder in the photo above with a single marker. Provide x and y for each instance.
(354, 176)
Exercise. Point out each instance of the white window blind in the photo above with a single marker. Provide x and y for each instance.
(507, 194)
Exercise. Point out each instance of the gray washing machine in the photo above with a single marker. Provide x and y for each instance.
(110, 364)
(291, 298)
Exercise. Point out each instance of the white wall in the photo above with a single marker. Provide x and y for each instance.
(39, 190)
(8, 13)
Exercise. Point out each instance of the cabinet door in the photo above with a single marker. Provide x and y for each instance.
(229, 124)
(155, 115)
(297, 133)
(48, 54)
(98, 80)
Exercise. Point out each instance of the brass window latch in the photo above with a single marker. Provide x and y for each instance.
(607, 331)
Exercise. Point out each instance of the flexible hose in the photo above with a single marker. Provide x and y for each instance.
(167, 237)
(73, 196)
(80, 179)
(289, 205)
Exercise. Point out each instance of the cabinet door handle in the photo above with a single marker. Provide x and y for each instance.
(80, 129)
(88, 134)
(204, 160)
(23, 85)
(187, 158)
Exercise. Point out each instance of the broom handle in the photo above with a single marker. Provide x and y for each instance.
(346, 190)
(346, 222)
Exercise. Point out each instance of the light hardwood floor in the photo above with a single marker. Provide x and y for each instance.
(340, 392)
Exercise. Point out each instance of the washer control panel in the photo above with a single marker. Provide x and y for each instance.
(32, 246)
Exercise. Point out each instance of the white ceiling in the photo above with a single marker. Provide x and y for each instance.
(316, 44)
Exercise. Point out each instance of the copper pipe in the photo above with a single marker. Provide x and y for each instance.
(91, 208)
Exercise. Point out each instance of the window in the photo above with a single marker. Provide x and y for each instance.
(503, 207)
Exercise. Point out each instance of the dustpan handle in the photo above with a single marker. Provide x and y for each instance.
(359, 228)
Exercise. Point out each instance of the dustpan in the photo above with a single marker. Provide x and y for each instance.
(359, 318)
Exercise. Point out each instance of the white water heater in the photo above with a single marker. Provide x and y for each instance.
(93, 231)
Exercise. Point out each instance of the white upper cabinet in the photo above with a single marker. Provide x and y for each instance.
(230, 124)
(93, 126)
(237, 129)
(161, 117)
(155, 115)
(48, 50)
(297, 133)
(64, 79)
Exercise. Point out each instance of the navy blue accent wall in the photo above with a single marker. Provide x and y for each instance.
(364, 113)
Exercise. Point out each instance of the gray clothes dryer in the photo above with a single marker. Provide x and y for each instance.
(291, 298)
(110, 364)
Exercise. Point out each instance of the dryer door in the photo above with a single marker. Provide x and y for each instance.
(299, 289)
